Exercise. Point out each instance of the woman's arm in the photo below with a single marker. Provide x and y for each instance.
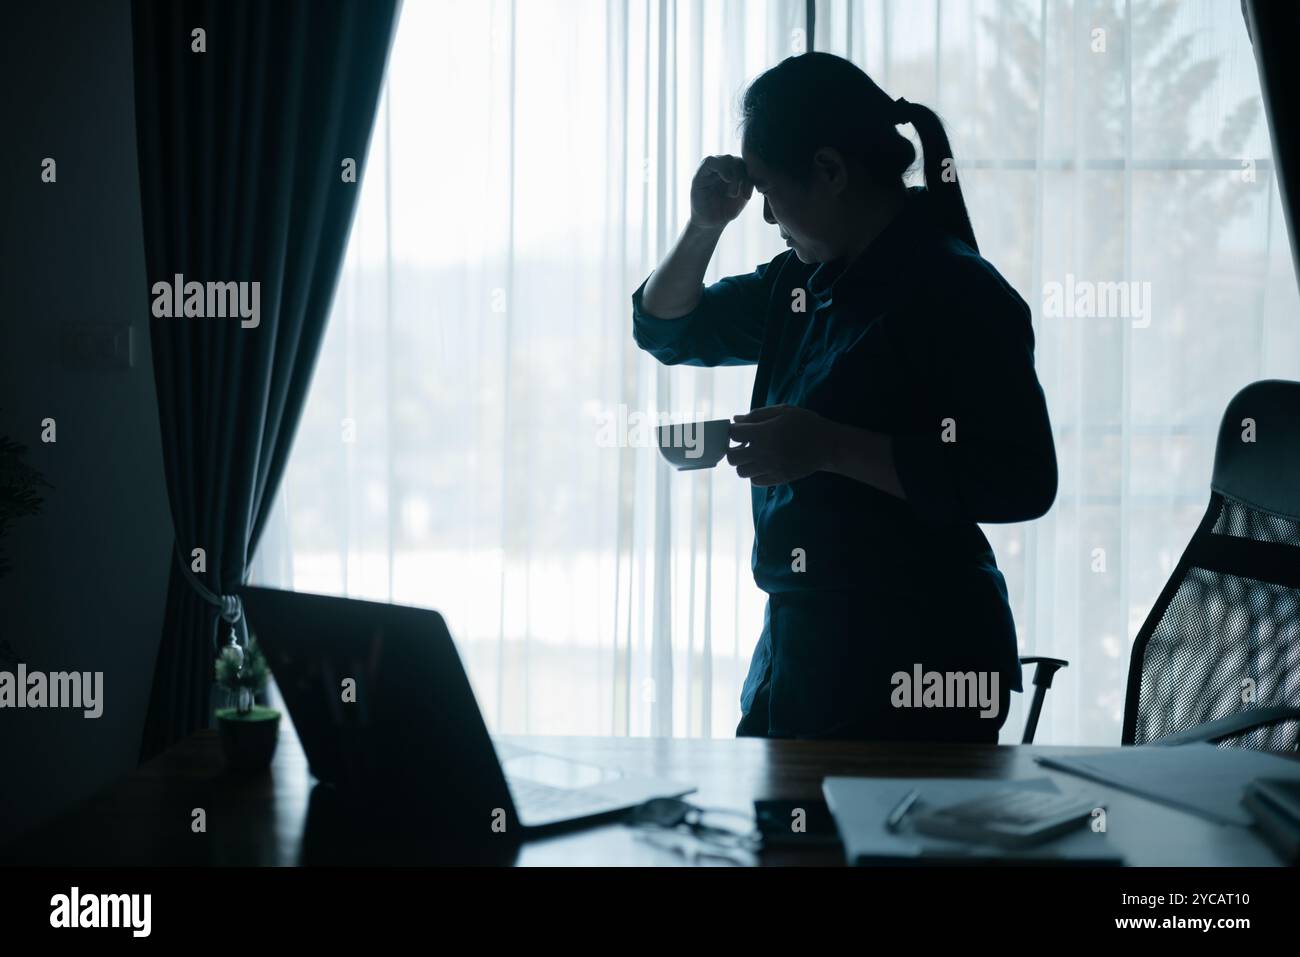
(719, 191)
(784, 443)
(673, 290)
(675, 317)
(1001, 480)
(863, 455)
(987, 454)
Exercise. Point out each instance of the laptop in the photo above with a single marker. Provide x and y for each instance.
(386, 715)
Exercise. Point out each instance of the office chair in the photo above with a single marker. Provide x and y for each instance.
(1218, 657)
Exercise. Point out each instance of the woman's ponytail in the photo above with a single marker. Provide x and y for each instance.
(940, 172)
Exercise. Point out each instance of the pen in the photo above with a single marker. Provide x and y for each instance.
(900, 810)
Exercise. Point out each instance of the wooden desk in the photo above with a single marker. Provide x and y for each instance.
(145, 819)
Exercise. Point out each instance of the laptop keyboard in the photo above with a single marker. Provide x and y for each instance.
(535, 800)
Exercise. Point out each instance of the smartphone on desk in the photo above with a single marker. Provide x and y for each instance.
(795, 824)
(1012, 817)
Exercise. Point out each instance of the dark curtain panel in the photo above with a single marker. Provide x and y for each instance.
(241, 151)
(1274, 27)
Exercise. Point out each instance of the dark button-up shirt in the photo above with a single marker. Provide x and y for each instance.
(923, 340)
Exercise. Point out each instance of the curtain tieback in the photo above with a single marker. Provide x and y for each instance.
(230, 608)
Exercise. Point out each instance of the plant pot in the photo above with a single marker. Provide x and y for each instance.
(248, 740)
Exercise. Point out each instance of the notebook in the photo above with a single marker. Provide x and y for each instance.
(861, 805)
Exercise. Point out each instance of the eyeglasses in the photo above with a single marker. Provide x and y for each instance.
(674, 824)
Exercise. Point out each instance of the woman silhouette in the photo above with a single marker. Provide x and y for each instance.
(895, 406)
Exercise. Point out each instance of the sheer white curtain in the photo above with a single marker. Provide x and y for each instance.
(471, 440)
(461, 447)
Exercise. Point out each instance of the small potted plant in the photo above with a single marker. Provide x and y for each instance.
(19, 491)
(248, 731)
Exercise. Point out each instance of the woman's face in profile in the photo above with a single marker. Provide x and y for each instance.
(804, 212)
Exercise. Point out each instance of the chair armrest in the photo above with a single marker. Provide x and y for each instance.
(1221, 728)
(1044, 670)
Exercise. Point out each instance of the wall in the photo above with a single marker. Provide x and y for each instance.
(90, 574)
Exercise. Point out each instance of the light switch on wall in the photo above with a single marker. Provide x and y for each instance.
(96, 345)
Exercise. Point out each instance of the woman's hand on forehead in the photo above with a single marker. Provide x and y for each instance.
(731, 170)
(719, 191)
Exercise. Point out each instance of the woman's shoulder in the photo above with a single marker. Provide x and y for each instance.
(966, 295)
(965, 273)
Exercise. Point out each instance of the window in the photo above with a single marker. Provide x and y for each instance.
(529, 166)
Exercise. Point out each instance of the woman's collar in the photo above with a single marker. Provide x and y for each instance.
(885, 260)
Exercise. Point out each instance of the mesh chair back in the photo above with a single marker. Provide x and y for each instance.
(1224, 636)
